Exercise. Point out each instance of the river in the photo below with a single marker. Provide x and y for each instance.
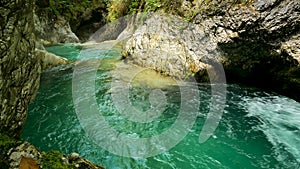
(258, 129)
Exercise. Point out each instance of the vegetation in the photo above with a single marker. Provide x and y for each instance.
(119, 8)
(6, 143)
(72, 9)
(53, 160)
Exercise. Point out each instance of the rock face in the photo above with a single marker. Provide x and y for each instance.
(19, 68)
(257, 45)
(51, 29)
(170, 45)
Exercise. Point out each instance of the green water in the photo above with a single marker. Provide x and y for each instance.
(258, 129)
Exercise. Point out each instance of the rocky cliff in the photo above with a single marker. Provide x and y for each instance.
(19, 68)
(257, 44)
(51, 29)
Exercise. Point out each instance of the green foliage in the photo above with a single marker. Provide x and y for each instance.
(119, 8)
(71, 9)
(6, 143)
(53, 160)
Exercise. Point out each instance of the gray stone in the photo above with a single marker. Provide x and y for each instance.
(51, 30)
(23, 150)
(49, 60)
(256, 44)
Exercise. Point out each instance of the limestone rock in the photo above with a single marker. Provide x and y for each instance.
(257, 44)
(52, 29)
(169, 44)
(49, 60)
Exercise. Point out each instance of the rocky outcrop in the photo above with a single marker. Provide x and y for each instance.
(51, 29)
(26, 156)
(19, 68)
(49, 60)
(257, 44)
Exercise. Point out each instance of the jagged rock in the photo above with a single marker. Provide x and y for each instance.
(19, 67)
(49, 60)
(24, 152)
(169, 44)
(52, 29)
(256, 44)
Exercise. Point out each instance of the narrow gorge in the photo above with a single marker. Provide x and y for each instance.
(151, 70)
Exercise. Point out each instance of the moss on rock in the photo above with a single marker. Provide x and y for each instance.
(54, 160)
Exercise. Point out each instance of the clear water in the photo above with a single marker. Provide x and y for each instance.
(258, 129)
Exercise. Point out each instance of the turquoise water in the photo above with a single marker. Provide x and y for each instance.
(258, 129)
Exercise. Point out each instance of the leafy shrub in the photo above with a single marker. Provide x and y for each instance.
(53, 160)
(71, 9)
(119, 8)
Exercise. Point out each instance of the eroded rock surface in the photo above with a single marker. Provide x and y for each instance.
(19, 67)
(257, 44)
(51, 29)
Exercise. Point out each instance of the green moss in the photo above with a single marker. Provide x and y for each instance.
(53, 160)
(120, 8)
(6, 143)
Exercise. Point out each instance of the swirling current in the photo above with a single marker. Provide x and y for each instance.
(258, 129)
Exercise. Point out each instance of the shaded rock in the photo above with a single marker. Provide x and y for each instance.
(292, 47)
(49, 60)
(110, 31)
(88, 23)
(51, 29)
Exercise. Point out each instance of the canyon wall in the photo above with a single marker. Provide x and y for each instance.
(19, 68)
(257, 44)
